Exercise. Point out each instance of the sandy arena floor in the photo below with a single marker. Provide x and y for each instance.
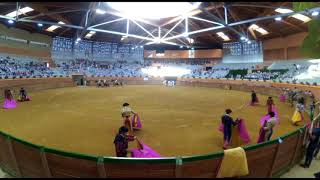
(176, 121)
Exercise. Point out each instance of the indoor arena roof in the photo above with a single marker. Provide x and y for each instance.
(208, 23)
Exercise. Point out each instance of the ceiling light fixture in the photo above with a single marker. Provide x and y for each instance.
(100, 11)
(259, 29)
(302, 17)
(278, 18)
(153, 10)
(91, 33)
(21, 11)
(223, 36)
(283, 10)
(54, 27)
(10, 21)
(315, 13)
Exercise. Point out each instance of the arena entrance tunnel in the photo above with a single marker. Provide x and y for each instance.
(78, 79)
(23, 159)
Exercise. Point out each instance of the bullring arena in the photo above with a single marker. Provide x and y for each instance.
(182, 100)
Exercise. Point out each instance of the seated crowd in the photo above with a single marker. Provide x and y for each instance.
(14, 68)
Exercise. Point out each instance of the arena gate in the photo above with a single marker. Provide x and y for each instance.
(78, 79)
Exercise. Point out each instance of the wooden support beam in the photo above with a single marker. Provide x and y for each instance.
(269, 11)
(44, 10)
(236, 18)
(252, 33)
(295, 26)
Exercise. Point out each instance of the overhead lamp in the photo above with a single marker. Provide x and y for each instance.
(78, 39)
(21, 11)
(123, 37)
(259, 29)
(254, 27)
(91, 33)
(315, 13)
(10, 21)
(242, 38)
(190, 40)
(278, 18)
(223, 36)
(301, 17)
(157, 40)
(100, 11)
(262, 31)
(249, 42)
(283, 10)
(141, 46)
(40, 25)
(181, 46)
(54, 27)
(153, 10)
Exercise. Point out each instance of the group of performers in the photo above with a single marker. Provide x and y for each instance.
(10, 102)
(131, 122)
(105, 83)
(268, 122)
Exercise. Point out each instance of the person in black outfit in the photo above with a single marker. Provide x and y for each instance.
(313, 144)
(121, 141)
(23, 95)
(253, 98)
(227, 122)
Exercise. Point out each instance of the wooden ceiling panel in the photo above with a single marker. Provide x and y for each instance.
(240, 11)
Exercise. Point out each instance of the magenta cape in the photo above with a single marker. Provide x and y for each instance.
(244, 135)
(145, 152)
(267, 117)
(9, 104)
(282, 98)
(136, 122)
(262, 133)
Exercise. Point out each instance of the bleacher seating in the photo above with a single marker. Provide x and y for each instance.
(19, 66)
(236, 66)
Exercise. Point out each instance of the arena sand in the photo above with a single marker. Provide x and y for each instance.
(177, 121)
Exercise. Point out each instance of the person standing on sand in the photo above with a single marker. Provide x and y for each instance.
(270, 103)
(126, 113)
(227, 122)
(121, 141)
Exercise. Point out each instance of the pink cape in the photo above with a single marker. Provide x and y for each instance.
(267, 117)
(146, 152)
(262, 133)
(244, 135)
(136, 123)
(9, 104)
(282, 98)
